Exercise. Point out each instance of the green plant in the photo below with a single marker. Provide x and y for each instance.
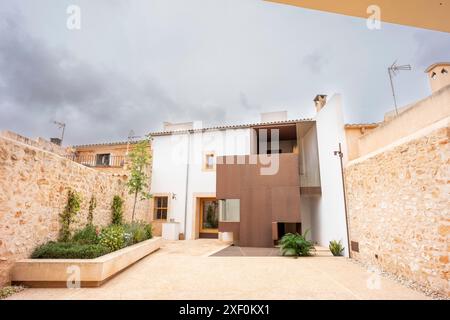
(296, 245)
(5, 292)
(113, 237)
(211, 217)
(149, 230)
(68, 215)
(137, 231)
(117, 210)
(336, 247)
(138, 181)
(87, 235)
(92, 206)
(69, 250)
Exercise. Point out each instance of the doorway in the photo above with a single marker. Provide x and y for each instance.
(208, 218)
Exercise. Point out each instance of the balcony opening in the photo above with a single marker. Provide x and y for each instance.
(287, 139)
(103, 159)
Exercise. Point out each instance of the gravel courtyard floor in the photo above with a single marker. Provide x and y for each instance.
(186, 270)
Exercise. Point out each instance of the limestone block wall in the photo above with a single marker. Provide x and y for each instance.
(33, 191)
(398, 206)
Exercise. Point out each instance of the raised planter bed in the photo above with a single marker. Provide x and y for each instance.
(51, 273)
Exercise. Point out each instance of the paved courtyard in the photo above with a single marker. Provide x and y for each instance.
(185, 270)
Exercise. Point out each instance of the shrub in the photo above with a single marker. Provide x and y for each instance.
(5, 292)
(112, 237)
(92, 206)
(117, 210)
(136, 232)
(296, 245)
(336, 247)
(69, 250)
(87, 235)
(149, 230)
(68, 215)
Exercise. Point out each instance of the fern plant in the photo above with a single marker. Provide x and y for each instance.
(295, 245)
(336, 247)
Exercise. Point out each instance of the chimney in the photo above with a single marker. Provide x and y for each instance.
(274, 116)
(438, 75)
(320, 101)
(56, 141)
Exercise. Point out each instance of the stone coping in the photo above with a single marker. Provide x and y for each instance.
(43, 273)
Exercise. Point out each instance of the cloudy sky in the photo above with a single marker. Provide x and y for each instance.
(134, 64)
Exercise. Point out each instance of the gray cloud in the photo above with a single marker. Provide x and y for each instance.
(40, 84)
(137, 63)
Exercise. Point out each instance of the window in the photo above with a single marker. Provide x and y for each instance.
(160, 208)
(433, 75)
(444, 72)
(229, 210)
(209, 161)
(102, 159)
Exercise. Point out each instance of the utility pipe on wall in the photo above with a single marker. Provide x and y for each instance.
(341, 155)
(187, 182)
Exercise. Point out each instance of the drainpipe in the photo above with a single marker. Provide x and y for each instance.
(187, 182)
(341, 155)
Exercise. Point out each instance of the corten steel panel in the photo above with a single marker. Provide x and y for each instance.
(264, 198)
(230, 227)
(285, 204)
(228, 182)
(256, 220)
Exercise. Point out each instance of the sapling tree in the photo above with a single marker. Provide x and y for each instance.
(139, 173)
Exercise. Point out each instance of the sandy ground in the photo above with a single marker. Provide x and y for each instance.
(185, 270)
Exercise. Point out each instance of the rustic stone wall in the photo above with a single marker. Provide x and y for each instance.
(33, 191)
(398, 206)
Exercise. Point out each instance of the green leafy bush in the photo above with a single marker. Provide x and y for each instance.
(92, 206)
(7, 291)
(117, 210)
(149, 230)
(87, 235)
(113, 237)
(136, 232)
(296, 245)
(69, 250)
(336, 247)
(68, 215)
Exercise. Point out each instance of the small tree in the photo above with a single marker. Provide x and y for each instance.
(138, 181)
(117, 210)
(92, 206)
(68, 215)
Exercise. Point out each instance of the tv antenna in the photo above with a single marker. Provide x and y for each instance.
(131, 136)
(393, 70)
(62, 126)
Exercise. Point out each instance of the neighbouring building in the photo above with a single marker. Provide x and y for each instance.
(109, 157)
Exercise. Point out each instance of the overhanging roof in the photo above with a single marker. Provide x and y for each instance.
(238, 126)
(426, 14)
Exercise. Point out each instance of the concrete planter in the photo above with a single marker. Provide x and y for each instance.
(45, 273)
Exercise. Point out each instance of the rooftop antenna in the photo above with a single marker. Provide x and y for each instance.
(393, 70)
(131, 136)
(61, 125)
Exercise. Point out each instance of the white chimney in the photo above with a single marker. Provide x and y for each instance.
(274, 116)
(438, 75)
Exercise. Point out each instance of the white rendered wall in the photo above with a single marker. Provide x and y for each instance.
(328, 222)
(170, 167)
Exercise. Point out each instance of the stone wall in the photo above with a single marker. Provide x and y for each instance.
(33, 191)
(398, 206)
